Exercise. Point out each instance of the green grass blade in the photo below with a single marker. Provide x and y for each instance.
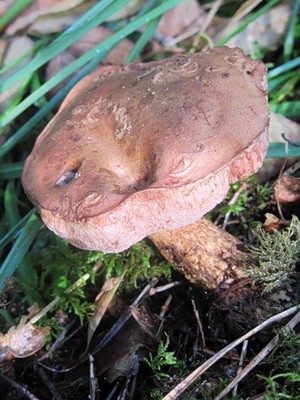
(143, 40)
(17, 98)
(284, 68)
(10, 170)
(19, 249)
(103, 46)
(10, 204)
(290, 109)
(288, 46)
(277, 81)
(146, 35)
(95, 16)
(278, 150)
(26, 273)
(13, 11)
(248, 21)
(7, 68)
(284, 91)
(13, 233)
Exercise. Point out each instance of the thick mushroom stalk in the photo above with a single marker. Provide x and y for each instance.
(204, 253)
(144, 148)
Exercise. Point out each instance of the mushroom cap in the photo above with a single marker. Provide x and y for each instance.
(142, 148)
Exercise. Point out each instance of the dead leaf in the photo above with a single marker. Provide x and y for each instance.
(58, 63)
(101, 304)
(97, 35)
(138, 332)
(266, 31)
(22, 340)
(53, 23)
(4, 5)
(12, 50)
(41, 8)
(185, 15)
(273, 223)
(117, 56)
(287, 189)
(278, 125)
(130, 9)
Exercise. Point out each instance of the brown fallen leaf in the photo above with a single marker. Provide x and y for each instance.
(58, 63)
(267, 30)
(185, 15)
(120, 356)
(38, 9)
(117, 56)
(101, 304)
(4, 6)
(57, 22)
(22, 340)
(287, 189)
(278, 125)
(127, 11)
(273, 223)
(118, 352)
(14, 49)
(97, 35)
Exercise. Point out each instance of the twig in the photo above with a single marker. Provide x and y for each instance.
(231, 202)
(211, 14)
(21, 389)
(123, 319)
(162, 288)
(93, 380)
(293, 168)
(49, 384)
(243, 11)
(258, 358)
(241, 363)
(286, 148)
(75, 285)
(179, 389)
(239, 15)
(162, 314)
(145, 291)
(59, 340)
(200, 326)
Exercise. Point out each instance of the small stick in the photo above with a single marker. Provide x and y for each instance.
(241, 363)
(258, 358)
(293, 168)
(289, 171)
(78, 283)
(239, 16)
(49, 384)
(210, 15)
(231, 202)
(162, 288)
(182, 386)
(93, 380)
(199, 323)
(162, 313)
(19, 388)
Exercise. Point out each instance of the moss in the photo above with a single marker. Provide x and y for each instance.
(276, 255)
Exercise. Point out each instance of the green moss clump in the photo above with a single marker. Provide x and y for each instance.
(276, 255)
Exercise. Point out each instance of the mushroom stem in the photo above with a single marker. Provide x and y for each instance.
(204, 253)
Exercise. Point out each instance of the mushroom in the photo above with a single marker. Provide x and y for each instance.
(144, 148)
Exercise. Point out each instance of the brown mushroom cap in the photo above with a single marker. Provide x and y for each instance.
(142, 148)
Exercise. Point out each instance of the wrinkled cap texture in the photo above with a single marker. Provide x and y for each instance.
(142, 148)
